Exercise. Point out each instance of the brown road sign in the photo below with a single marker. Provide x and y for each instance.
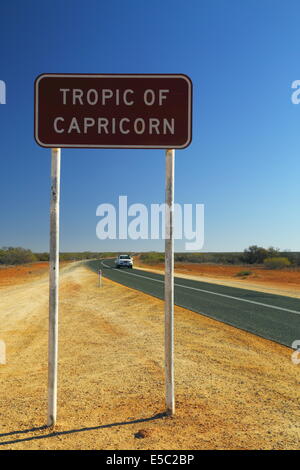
(113, 111)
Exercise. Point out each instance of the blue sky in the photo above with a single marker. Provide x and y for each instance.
(243, 163)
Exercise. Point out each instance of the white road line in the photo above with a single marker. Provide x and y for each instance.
(210, 292)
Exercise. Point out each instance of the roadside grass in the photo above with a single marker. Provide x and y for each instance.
(243, 273)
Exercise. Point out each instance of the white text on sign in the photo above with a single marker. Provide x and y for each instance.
(103, 125)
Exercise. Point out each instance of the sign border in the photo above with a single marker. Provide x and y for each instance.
(114, 75)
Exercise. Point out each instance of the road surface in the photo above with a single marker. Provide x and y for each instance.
(273, 317)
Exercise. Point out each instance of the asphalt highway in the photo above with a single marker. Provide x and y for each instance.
(271, 316)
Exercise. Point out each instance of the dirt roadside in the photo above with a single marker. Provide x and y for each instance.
(23, 273)
(233, 389)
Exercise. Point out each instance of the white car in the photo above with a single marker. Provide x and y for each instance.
(124, 261)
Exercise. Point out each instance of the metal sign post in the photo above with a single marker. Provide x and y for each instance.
(112, 111)
(53, 286)
(169, 283)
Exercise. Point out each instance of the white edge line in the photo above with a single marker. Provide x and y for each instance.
(213, 293)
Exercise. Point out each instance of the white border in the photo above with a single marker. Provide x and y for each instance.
(70, 75)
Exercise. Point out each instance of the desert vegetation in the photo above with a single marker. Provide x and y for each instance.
(271, 257)
(16, 255)
(19, 255)
(254, 255)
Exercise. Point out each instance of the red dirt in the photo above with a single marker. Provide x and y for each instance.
(13, 275)
(260, 274)
(279, 278)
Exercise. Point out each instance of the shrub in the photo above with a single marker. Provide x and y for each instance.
(42, 256)
(243, 273)
(16, 255)
(276, 263)
(152, 258)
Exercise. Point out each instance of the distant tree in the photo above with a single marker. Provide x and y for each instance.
(257, 254)
(273, 252)
(254, 255)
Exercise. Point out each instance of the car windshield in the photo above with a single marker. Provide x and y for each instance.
(124, 257)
